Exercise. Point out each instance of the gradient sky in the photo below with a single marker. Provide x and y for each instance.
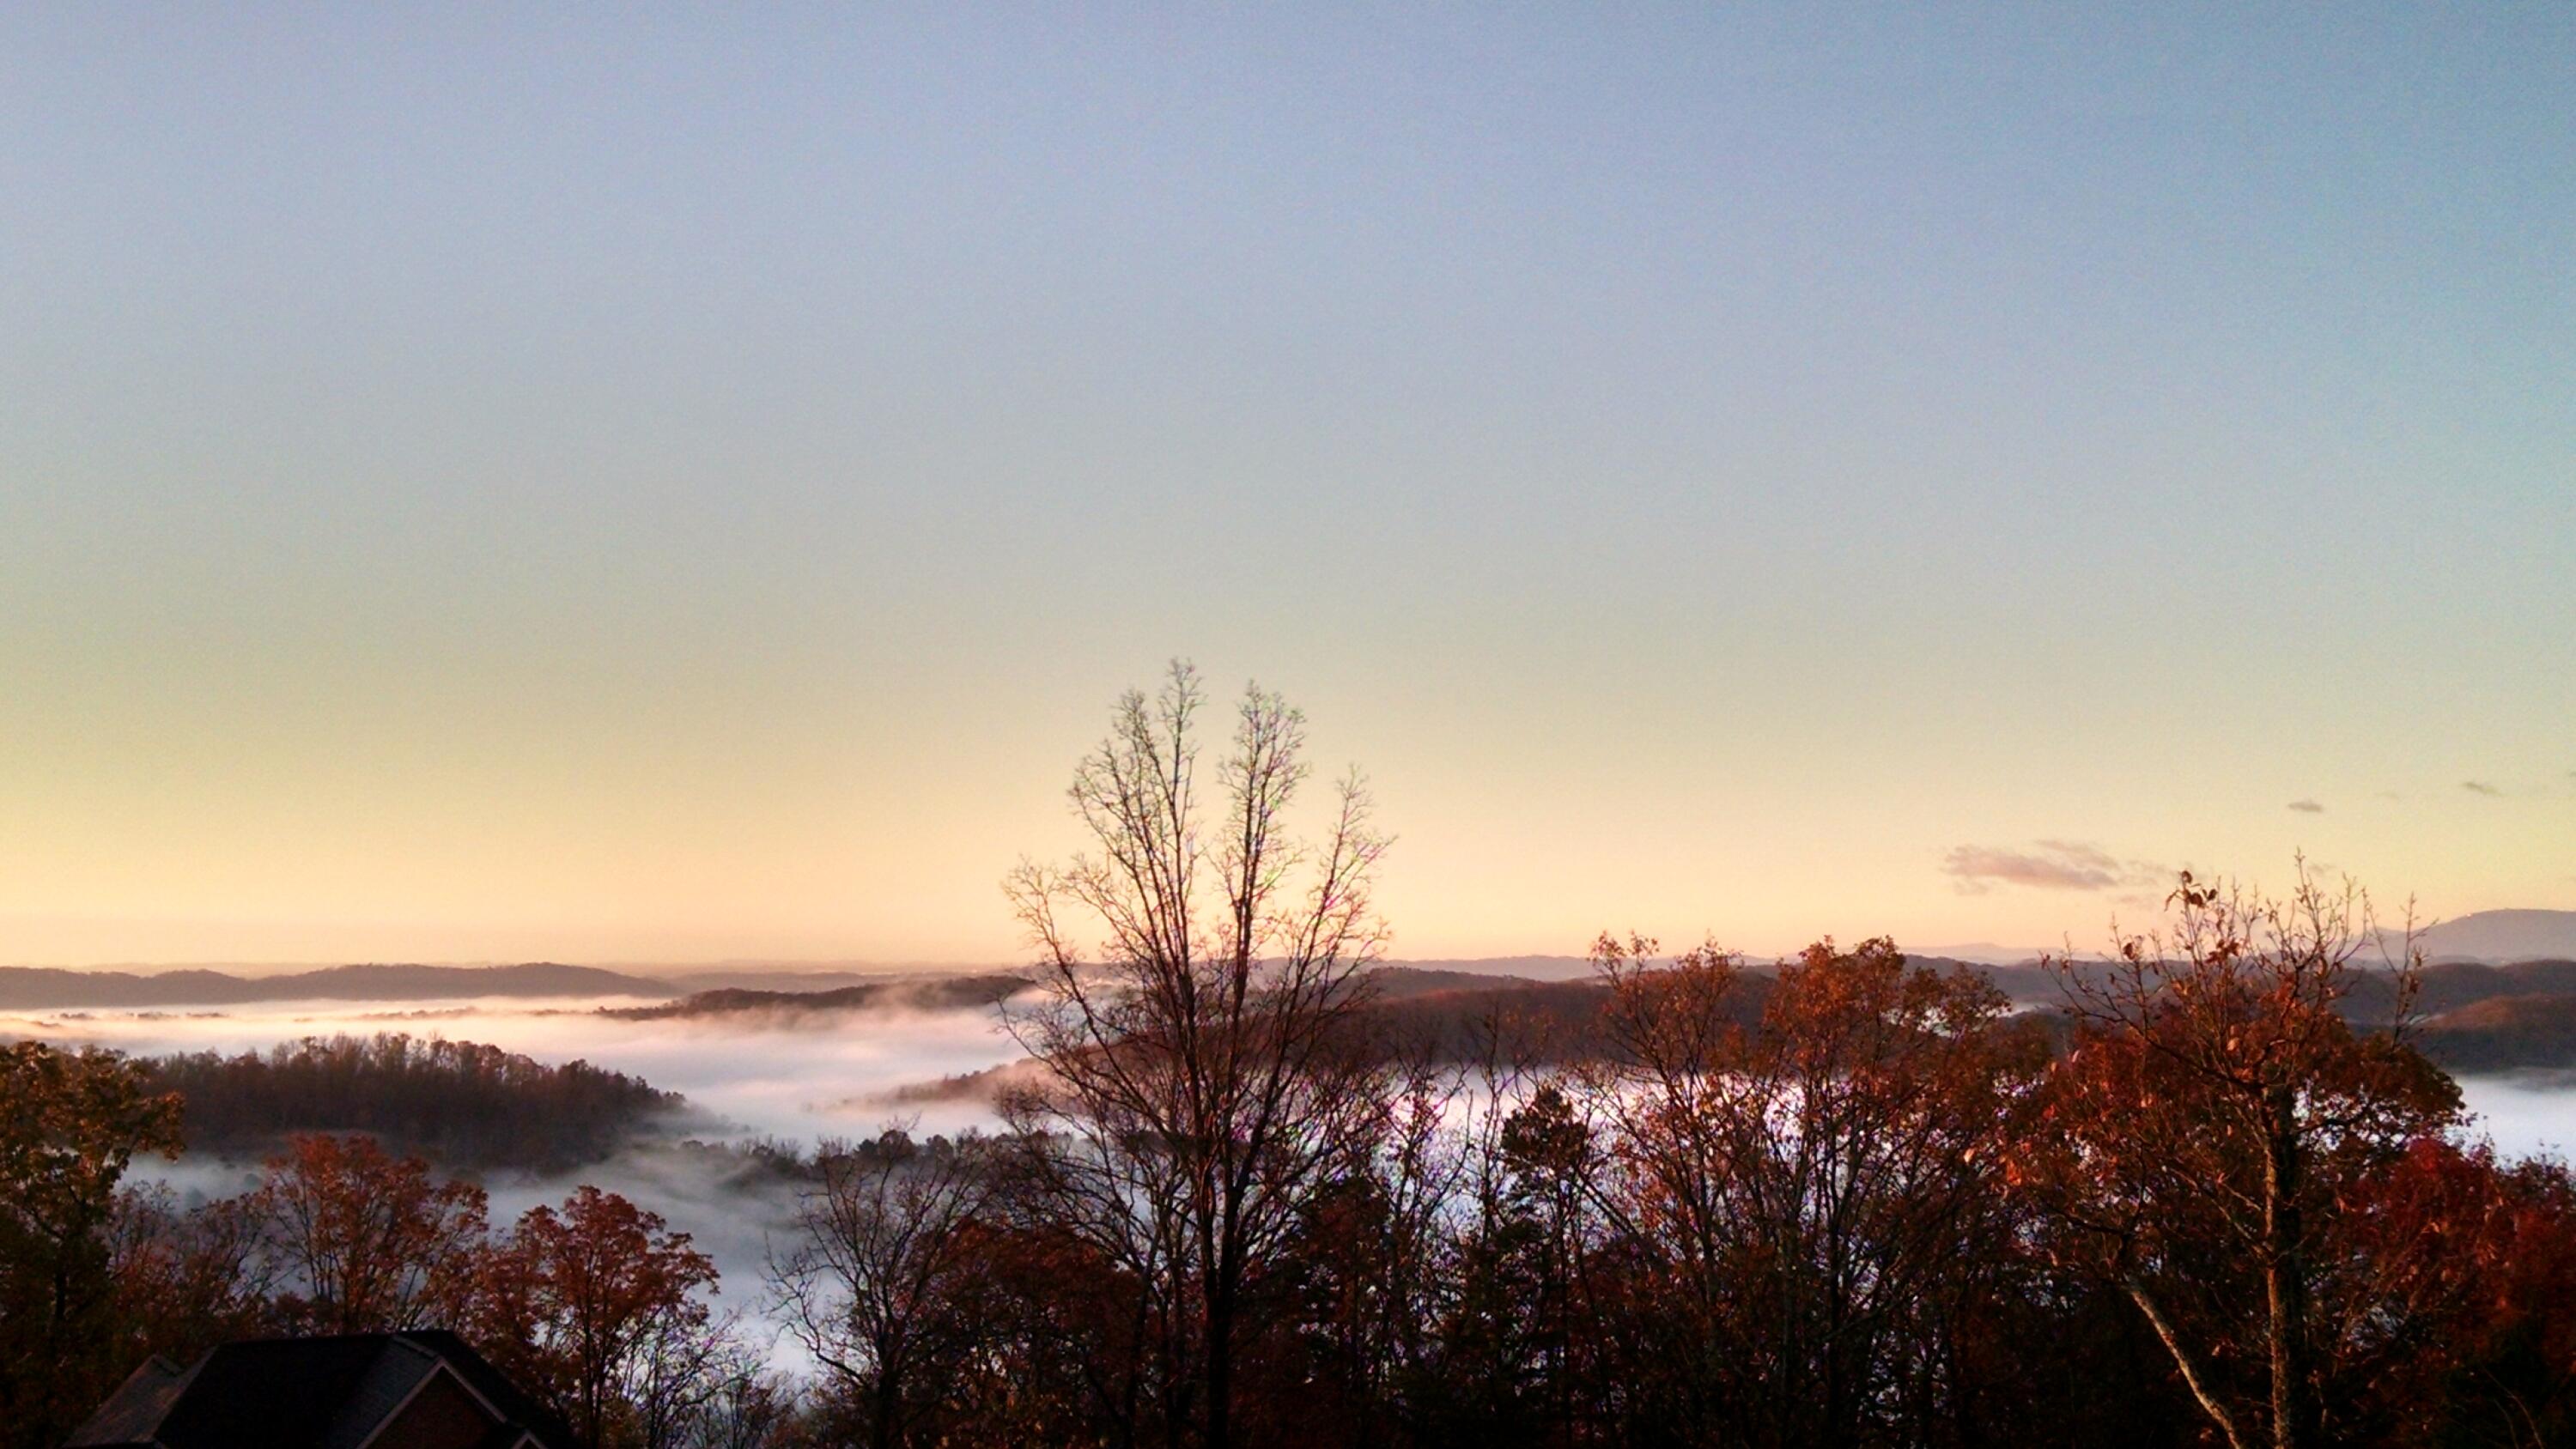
(658, 483)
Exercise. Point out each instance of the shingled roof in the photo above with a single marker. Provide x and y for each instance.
(323, 1393)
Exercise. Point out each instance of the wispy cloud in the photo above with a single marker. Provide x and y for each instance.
(2480, 787)
(2060, 865)
(2307, 807)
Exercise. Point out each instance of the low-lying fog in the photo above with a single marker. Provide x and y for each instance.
(797, 1078)
(803, 1078)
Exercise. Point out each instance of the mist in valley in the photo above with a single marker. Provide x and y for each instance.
(764, 1086)
(773, 1081)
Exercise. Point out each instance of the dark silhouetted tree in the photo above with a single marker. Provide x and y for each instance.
(1201, 1088)
(879, 1290)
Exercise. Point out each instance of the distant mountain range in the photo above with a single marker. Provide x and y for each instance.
(1531, 968)
(42, 988)
(2503, 936)
(2489, 936)
(791, 978)
(49, 988)
(1981, 953)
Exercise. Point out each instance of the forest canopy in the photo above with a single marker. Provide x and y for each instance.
(461, 1103)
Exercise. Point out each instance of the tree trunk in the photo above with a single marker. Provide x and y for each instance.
(1220, 1366)
(2285, 1278)
(2183, 1361)
(882, 1422)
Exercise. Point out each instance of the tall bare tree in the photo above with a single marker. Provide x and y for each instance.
(1201, 1085)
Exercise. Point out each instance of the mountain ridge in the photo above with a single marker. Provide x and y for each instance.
(48, 988)
(2517, 934)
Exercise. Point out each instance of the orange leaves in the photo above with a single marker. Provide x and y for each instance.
(70, 1125)
(75, 1121)
(576, 1298)
(566, 1303)
(373, 1241)
(2220, 1119)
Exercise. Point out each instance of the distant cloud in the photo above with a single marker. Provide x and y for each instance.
(2307, 807)
(2058, 865)
(2479, 787)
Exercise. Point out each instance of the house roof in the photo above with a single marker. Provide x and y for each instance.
(301, 1393)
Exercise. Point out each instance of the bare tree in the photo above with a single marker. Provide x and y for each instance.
(1200, 1083)
(747, 1405)
(870, 1290)
(692, 1381)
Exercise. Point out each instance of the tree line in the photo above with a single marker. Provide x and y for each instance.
(1889, 1214)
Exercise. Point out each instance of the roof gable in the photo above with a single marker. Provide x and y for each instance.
(306, 1393)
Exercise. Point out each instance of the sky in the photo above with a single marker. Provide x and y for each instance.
(658, 483)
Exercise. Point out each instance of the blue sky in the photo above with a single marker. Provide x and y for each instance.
(628, 482)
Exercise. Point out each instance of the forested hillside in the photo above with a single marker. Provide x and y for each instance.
(929, 993)
(460, 1103)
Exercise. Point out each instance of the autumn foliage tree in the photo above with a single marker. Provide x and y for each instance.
(369, 1242)
(590, 1307)
(2203, 1142)
(1810, 1194)
(71, 1123)
(190, 1277)
(2459, 1268)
